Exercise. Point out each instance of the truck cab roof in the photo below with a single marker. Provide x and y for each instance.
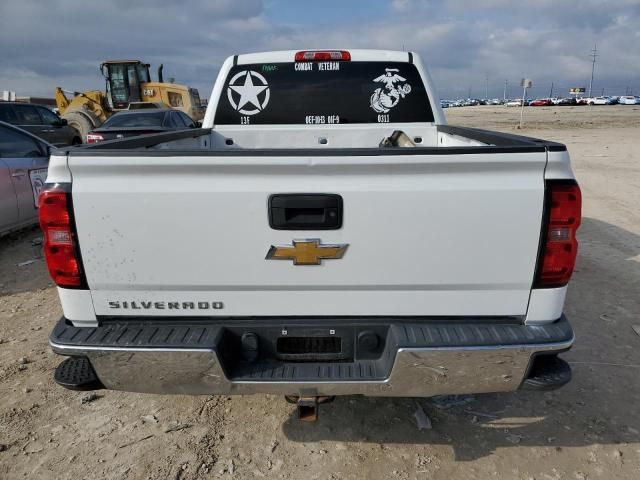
(357, 55)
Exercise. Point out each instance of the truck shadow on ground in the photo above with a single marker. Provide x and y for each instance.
(595, 408)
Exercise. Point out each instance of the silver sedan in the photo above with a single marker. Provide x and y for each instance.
(24, 160)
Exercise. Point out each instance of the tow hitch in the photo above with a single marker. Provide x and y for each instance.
(308, 406)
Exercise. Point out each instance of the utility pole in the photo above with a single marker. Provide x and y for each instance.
(551, 91)
(594, 54)
(469, 93)
(486, 87)
(504, 94)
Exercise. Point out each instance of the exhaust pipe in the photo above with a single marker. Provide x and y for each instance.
(160, 78)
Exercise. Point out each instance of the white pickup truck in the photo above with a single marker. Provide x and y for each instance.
(325, 233)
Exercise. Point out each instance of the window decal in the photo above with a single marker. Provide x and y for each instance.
(248, 89)
(387, 97)
(355, 93)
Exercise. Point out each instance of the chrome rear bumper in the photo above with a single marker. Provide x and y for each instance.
(419, 358)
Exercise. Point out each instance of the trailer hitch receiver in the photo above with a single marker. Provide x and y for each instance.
(308, 407)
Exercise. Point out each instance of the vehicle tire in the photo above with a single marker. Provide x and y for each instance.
(80, 122)
(76, 141)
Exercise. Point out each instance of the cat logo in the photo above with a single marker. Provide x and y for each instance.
(306, 252)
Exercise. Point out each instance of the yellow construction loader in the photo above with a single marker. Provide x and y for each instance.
(128, 86)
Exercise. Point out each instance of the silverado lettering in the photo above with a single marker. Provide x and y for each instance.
(162, 305)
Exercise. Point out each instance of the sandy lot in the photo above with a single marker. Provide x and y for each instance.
(588, 430)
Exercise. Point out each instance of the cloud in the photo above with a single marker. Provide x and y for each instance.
(62, 42)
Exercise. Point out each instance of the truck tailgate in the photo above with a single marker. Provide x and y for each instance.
(428, 234)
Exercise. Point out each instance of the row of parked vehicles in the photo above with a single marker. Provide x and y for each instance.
(470, 102)
(545, 102)
(602, 100)
(48, 126)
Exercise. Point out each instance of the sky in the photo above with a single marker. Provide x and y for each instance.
(471, 47)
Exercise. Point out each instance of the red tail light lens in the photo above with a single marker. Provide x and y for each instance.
(59, 238)
(560, 245)
(94, 138)
(318, 55)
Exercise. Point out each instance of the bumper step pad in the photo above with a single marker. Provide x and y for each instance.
(76, 373)
(547, 372)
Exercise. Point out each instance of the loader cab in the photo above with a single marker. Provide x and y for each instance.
(124, 81)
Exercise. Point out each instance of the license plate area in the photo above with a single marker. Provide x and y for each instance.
(252, 349)
(309, 348)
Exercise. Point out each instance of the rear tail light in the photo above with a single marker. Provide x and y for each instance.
(94, 138)
(559, 243)
(323, 55)
(60, 245)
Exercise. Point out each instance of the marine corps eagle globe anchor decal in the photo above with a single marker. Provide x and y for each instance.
(307, 252)
(384, 99)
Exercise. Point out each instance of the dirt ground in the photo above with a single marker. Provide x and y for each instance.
(590, 429)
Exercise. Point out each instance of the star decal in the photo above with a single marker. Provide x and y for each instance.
(249, 92)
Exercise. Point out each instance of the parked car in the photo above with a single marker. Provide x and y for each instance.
(24, 160)
(600, 101)
(141, 122)
(41, 122)
(567, 101)
(629, 100)
(514, 103)
(540, 102)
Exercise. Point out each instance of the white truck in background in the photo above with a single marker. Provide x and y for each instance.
(325, 233)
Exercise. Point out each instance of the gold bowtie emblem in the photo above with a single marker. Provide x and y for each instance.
(306, 252)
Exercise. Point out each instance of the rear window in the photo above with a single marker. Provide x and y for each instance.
(7, 114)
(154, 119)
(27, 115)
(16, 145)
(323, 93)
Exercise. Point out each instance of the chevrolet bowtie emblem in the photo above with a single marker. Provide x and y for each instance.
(306, 252)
